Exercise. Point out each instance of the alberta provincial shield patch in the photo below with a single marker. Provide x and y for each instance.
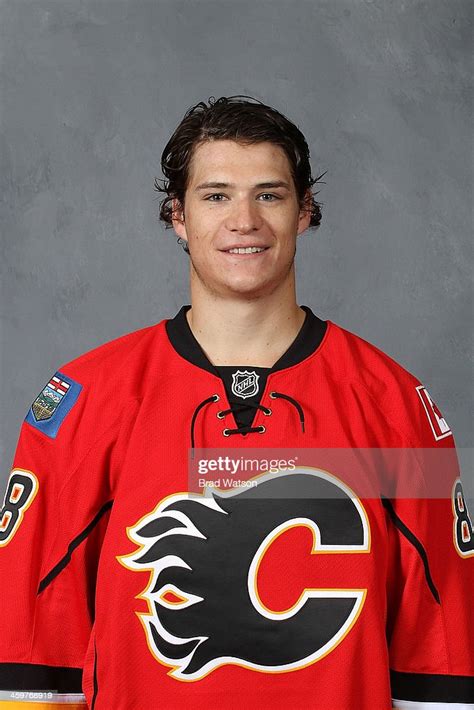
(53, 403)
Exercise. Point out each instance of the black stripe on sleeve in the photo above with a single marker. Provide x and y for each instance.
(52, 574)
(33, 677)
(423, 687)
(400, 525)
(96, 684)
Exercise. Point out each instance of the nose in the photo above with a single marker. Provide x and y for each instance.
(243, 216)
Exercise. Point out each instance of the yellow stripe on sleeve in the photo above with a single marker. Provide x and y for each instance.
(22, 705)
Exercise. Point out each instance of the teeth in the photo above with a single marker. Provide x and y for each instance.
(247, 250)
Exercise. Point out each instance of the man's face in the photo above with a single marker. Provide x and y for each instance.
(241, 196)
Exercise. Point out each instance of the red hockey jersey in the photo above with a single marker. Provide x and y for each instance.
(136, 574)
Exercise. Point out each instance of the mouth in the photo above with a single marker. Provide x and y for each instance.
(245, 250)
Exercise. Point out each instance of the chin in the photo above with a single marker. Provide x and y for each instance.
(251, 285)
(251, 289)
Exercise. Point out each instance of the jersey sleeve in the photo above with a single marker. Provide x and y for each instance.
(430, 622)
(57, 502)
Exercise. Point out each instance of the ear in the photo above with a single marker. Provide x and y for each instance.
(305, 213)
(177, 218)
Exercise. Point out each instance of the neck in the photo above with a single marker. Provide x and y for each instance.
(238, 331)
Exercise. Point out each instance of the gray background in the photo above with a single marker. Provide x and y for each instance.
(90, 93)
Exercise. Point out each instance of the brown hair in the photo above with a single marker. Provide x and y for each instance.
(233, 118)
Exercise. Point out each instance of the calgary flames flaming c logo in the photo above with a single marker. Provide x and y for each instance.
(204, 555)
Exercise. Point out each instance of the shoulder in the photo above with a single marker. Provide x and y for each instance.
(398, 394)
(362, 360)
(91, 390)
(113, 355)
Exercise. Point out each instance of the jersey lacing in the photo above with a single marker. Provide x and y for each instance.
(242, 406)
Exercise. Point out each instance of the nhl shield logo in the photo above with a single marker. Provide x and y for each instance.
(49, 398)
(245, 383)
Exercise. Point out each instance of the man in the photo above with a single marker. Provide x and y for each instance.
(310, 586)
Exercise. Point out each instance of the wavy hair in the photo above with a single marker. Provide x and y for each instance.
(239, 118)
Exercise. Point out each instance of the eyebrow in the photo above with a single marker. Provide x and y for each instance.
(268, 184)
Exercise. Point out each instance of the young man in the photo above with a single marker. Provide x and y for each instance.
(311, 589)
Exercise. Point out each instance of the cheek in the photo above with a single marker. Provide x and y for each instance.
(201, 239)
(286, 224)
(201, 226)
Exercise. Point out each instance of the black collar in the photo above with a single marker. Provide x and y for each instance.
(306, 342)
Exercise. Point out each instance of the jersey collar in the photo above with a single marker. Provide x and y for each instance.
(306, 342)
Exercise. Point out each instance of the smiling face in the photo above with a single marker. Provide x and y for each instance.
(240, 196)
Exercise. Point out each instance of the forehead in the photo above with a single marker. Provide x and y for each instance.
(230, 161)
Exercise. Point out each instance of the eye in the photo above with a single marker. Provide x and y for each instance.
(216, 194)
(270, 194)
